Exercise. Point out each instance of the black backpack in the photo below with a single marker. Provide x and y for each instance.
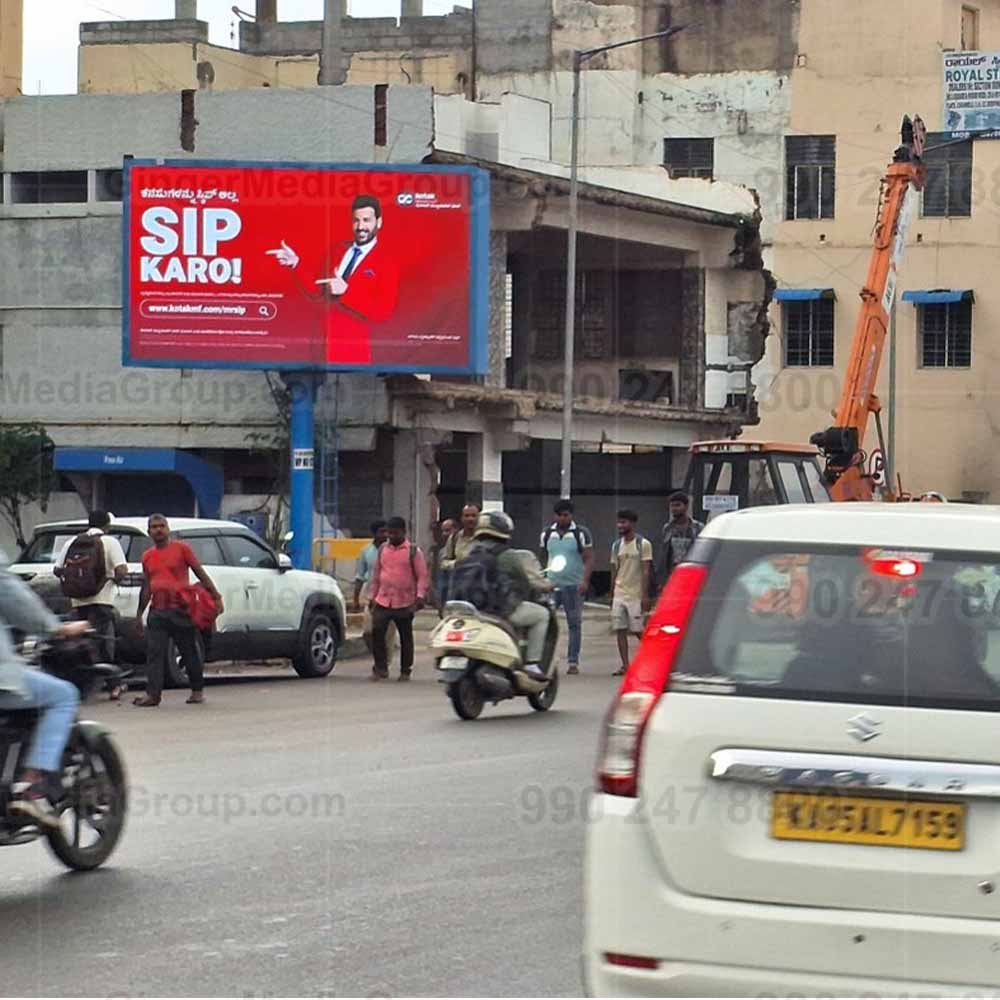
(477, 580)
(575, 531)
(84, 571)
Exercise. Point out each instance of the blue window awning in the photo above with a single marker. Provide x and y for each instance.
(204, 478)
(803, 294)
(934, 295)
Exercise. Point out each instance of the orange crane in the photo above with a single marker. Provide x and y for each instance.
(732, 474)
(842, 445)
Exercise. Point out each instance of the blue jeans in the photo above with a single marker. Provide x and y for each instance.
(58, 700)
(571, 601)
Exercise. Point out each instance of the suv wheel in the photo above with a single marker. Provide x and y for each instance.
(176, 674)
(317, 647)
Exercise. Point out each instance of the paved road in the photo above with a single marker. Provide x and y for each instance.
(329, 837)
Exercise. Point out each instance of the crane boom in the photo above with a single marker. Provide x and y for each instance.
(842, 445)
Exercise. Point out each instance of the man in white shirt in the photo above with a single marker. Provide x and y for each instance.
(98, 610)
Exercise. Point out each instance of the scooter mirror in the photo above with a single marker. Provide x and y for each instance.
(558, 564)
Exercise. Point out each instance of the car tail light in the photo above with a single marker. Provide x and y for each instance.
(645, 681)
(631, 961)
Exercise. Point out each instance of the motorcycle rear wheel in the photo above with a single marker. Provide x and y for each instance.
(544, 700)
(466, 698)
(97, 802)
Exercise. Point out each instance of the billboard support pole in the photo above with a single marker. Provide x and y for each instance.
(302, 386)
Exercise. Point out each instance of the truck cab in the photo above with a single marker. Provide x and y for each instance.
(732, 475)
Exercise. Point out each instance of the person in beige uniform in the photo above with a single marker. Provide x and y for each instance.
(631, 572)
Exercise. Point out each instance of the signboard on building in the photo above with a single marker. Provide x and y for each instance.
(971, 95)
(299, 267)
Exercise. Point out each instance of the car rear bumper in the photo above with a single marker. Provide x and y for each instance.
(717, 947)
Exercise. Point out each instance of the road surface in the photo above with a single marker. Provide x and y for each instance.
(332, 837)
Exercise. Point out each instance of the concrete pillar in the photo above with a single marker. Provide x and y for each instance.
(413, 8)
(415, 480)
(11, 46)
(267, 11)
(331, 58)
(485, 471)
(497, 375)
(185, 10)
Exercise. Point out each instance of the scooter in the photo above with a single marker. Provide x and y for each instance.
(480, 658)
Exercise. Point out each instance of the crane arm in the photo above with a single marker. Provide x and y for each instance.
(842, 444)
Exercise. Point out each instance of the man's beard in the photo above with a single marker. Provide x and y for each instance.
(363, 239)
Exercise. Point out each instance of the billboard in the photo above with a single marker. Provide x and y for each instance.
(305, 267)
(971, 95)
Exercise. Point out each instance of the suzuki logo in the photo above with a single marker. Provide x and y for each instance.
(863, 728)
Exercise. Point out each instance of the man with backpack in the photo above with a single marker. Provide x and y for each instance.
(399, 586)
(89, 568)
(569, 559)
(631, 576)
(492, 578)
(678, 534)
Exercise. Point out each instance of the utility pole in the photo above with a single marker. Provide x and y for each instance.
(580, 56)
(331, 58)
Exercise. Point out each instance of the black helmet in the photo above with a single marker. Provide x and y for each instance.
(495, 524)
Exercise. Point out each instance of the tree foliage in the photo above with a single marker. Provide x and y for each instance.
(27, 475)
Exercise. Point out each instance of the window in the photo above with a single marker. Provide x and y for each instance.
(818, 623)
(810, 164)
(248, 554)
(809, 333)
(108, 185)
(736, 401)
(789, 473)
(206, 549)
(48, 187)
(761, 492)
(689, 157)
(636, 385)
(970, 29)
(946, 335)
(817, 487)
(948, 189)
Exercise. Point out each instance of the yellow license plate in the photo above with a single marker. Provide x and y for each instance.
(847, 819)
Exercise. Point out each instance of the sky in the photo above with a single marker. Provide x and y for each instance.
(51, 28)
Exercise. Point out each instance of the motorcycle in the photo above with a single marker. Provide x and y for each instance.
(480, 658)
(93, 800)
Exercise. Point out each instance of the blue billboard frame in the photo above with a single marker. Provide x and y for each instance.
(479, 285)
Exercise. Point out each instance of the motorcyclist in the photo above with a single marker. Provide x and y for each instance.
(493, 535)
(21, 686)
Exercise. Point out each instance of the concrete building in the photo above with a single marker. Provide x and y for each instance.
(670, 275)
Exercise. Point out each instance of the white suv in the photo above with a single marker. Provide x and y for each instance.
(799, 782)
(272, 610)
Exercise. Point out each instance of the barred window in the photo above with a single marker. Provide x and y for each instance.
(810, 165)
(689, 157)
(809, 333)
(948, 188)
(946, 335)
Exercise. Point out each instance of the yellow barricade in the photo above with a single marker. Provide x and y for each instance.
(327, 552)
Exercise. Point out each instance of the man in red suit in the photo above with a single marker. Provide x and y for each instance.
(358, 279)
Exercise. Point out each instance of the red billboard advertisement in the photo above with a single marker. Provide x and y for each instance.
(292, 267)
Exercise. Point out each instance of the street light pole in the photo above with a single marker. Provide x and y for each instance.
(580, 56)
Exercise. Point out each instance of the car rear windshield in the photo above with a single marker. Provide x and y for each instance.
(46, 545)
(838, 623)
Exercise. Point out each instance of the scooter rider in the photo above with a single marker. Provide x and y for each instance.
(493, 534)
(23, 687)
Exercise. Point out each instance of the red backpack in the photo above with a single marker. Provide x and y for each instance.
(200, 606)
(84, 571)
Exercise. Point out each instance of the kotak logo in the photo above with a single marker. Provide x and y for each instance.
(406, 198)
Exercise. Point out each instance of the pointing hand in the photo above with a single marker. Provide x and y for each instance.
(286, 256)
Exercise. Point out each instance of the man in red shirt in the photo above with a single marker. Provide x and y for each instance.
(165, 580)
(399, 590)
(360, 280)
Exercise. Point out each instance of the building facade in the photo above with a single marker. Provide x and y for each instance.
(670, 276)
